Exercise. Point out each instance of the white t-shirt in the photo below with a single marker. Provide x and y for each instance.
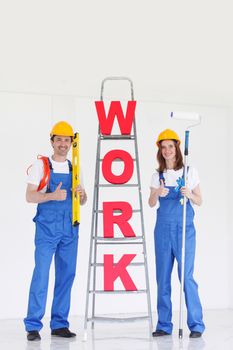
(36, 172)
(171, 176)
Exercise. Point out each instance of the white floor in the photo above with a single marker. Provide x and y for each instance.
(123, 336)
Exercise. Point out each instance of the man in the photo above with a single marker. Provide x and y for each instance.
(55, 234)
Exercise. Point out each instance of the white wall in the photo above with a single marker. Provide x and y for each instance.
(27, 120)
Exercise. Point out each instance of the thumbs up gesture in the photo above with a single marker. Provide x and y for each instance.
(58, 194)
(162, 191)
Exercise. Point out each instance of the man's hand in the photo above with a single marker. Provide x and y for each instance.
(58, 194)
(82, 194)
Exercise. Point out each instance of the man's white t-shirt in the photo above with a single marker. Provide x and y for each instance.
(170, 177)
(36, 172)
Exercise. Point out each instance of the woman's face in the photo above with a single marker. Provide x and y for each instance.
(168, 150)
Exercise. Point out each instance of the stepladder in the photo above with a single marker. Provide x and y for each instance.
(118, 266)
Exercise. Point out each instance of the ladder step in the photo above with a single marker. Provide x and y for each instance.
(118, 291)
(116, 159)
(118, 239)
(106, 243)
(117, 137)
(117, 185)
(118, 319)
(119, 211)
(131, 264)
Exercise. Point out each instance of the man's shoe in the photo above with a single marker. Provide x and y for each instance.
(194, 334)
(33, 335)
(63, 332)
(159, 333)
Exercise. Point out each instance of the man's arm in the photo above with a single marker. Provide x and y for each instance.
(32, 196)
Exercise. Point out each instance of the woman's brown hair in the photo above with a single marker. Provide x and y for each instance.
(162, 163)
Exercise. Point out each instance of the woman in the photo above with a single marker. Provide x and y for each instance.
(167, 195)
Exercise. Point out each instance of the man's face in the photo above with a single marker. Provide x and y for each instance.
(61, 145)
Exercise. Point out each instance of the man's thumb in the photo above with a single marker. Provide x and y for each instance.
(161, 183)
(59, 186)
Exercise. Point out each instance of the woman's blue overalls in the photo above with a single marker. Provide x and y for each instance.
(54, 235)
(168, 243)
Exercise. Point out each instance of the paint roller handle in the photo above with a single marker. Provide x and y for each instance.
(186, 144)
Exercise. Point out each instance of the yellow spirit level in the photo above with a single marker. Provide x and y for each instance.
(75, 180)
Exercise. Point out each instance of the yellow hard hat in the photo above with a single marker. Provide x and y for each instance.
(168, 134)
(62, 129)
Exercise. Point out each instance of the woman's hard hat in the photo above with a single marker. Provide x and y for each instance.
(168, 134)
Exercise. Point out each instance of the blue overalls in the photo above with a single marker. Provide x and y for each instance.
(54, 235)
(168, 245)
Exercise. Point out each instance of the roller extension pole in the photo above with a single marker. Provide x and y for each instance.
(181, 312)
(75, 180)
(197, 119)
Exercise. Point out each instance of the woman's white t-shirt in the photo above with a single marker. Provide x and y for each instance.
(36, 171)
(170, 177)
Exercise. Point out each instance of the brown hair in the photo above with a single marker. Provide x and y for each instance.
(162, 163)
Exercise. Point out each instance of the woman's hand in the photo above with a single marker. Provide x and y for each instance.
(185, 191)
(194, 195)
(155, 193)
(162, 191)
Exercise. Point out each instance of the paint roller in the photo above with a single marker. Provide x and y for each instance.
(186, 115)
(196, 118)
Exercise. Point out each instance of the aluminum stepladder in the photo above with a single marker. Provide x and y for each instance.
(96, 240)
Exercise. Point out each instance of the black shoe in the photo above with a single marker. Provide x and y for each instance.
(33, 335)
(194, 334)
(159, 333)
(63, 332)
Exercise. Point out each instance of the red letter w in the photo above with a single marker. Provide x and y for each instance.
(106, 123)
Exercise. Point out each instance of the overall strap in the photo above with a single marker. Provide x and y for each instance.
(50, 164)
(70, 165)
(161, 177)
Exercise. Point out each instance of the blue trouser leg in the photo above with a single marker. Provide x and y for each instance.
(193, 304)
(164, 265)
(65, 267)
(39, 284)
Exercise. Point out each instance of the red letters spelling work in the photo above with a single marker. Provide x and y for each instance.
(113, 271)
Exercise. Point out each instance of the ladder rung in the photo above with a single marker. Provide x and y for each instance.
(117, 185)
(117, 159)
(117, 137)
(131, 264)
(118, 211)
(106, 243)
(117, 319)
(118, 239)
(118, 291)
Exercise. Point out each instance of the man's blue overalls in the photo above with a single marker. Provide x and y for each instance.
(54, 235)
(168, 244)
